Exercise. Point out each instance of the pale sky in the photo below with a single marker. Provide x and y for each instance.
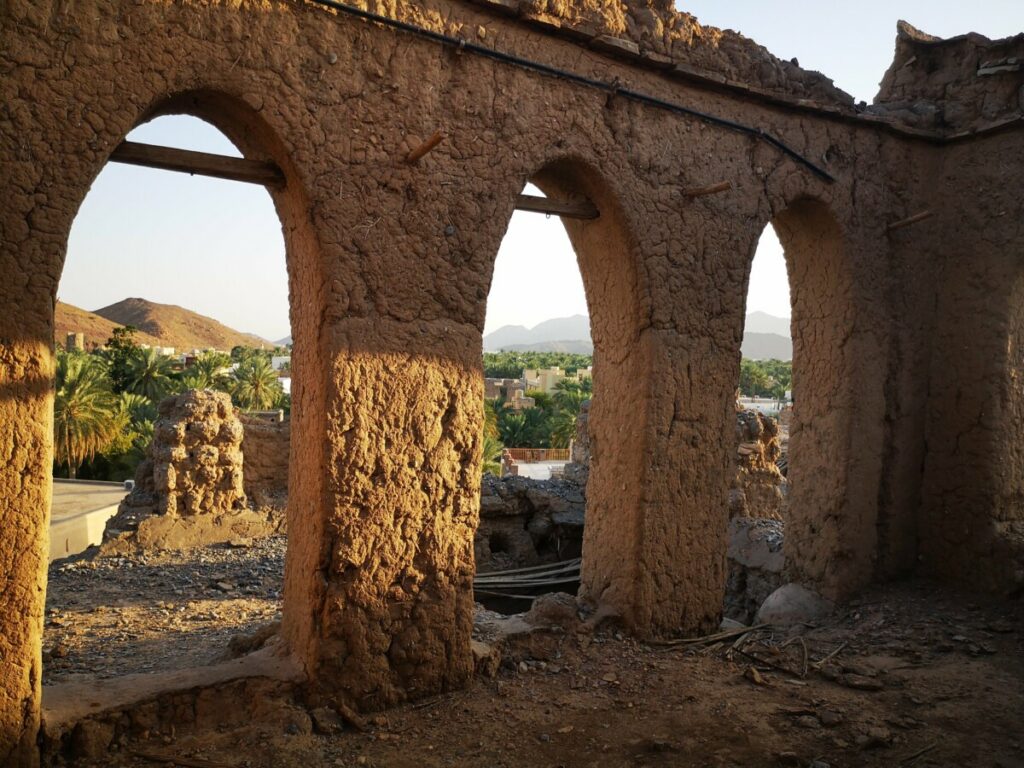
(216, 246)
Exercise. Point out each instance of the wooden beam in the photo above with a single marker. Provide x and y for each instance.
(714, 189)
(200, 163)
(567, 209)
(909, 220)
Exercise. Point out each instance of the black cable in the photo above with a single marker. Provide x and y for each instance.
(536, 66)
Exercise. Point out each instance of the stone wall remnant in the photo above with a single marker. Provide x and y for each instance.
(266, 449)
(758, 489)
(189, 489)
(193, 466)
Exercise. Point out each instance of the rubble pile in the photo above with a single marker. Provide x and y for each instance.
(527, 522)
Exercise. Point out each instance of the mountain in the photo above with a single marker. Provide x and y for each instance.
(285, 342)
(767, 346)
(560, 330)
(765, 337)
(762, 322)
(68, 318)
(158, 324)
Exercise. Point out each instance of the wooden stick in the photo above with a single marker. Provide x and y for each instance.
(821, 662)
(714, 189)
(200, 163)
(726, 635)
(908, 221)
(911, 759)
(414, 156)
(564, 208)
(187, 762)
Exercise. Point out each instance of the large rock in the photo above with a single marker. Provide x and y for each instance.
(793, 604)
(755, 562)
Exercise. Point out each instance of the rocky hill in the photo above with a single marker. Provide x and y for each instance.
(71, 319)
(158, 325)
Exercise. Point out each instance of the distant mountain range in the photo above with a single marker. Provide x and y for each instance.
(164, 325)
(765, 337)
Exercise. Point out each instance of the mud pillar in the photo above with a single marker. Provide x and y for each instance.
(655, 541)
(380, 580)
(26, 418)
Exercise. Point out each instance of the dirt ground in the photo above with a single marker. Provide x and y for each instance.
(160, 611)
(904, 676)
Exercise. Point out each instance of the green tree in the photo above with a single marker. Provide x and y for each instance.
(492, 455)
(151, 375)
(256, 386)
(121, 347)
(211, 370)
(568, 402)
(85, 413)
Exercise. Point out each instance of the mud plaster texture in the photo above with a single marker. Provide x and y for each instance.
(900, 338)
(266, 448)
(758, 489)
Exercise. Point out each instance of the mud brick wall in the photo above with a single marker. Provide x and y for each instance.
(900, 337)
(266, 448)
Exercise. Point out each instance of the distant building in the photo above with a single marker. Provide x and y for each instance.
(75, 342)
(502, 389)
(544, 379)
(277, 362)
(520, 402)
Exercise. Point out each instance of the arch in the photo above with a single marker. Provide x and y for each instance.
(830, 531)
(28, 400)
(606, 255)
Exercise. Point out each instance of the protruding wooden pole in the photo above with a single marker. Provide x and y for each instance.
(714, 189)
(426, 146)
(908, 221)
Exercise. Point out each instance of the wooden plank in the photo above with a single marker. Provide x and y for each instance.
(565, 208)
(200, 163)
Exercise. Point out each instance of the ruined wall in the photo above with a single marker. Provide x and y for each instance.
(958, 84)
(758, 486)
(389, 269)
(266, 449)
(193, 465)
(971, 520)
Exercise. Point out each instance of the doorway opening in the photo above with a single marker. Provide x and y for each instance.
(172, 403)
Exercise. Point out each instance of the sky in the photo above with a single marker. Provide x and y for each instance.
(216, 246)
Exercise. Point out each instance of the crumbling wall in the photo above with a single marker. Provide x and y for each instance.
(189, 489)
(758, 489)
(527, 522)
(193, 465)
(957, 84)
(266, 449)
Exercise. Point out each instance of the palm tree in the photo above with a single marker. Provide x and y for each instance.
(492, 455)
(209, 371)
(85, 413)
(256, 385)
(150, 374)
